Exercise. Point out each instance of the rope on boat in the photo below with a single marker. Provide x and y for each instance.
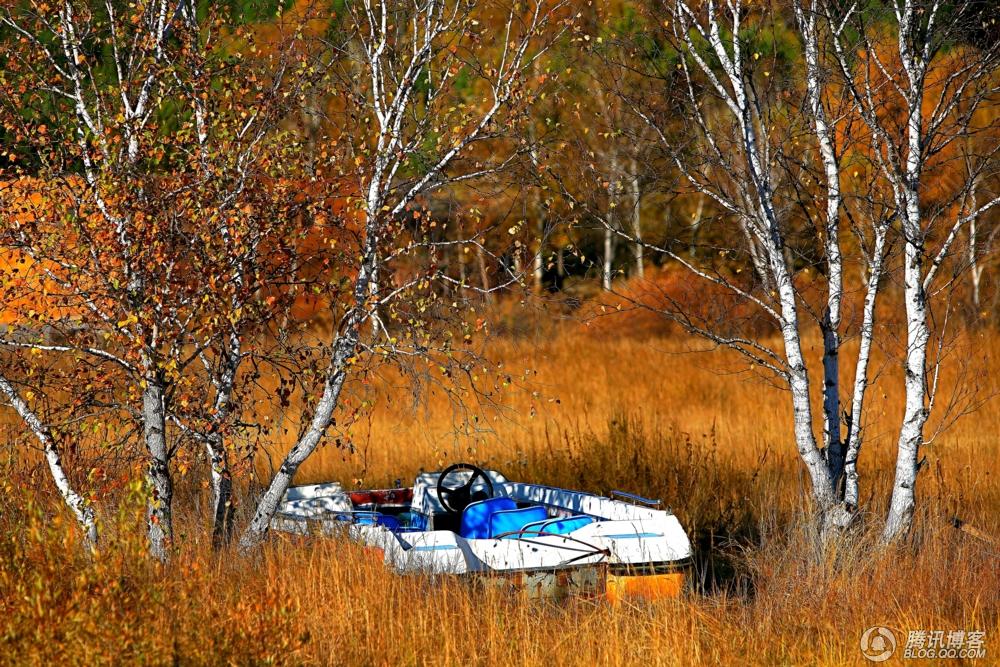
(591, 550)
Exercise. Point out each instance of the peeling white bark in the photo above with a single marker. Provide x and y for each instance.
(915, 413)
(911, 435)
(798, 380)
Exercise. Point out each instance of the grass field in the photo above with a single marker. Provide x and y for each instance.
(597, 411)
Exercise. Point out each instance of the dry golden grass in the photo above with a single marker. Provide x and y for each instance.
(632, 414)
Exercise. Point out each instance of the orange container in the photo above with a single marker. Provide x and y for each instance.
(644, 586)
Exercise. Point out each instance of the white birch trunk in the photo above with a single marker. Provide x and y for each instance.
(343, 349)
(159, 512)
(851, 493)
(923, 33)
(222, 481)
(911, 433)
(832, 443)
(608, 254)
(222, 489)
(798, 381)
(798, 373)
(608, 259)
(762, 228)
(637, 246)
(975, 269)
(83, 512)
(903, 501)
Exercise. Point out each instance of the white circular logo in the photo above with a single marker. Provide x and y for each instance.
(878, 643)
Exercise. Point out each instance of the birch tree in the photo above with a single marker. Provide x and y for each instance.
(935, 76)
(60, 60)
(762, 163)
(749, 166)
(743, 148)
(842, 454)
(411, 137)
(148, 169)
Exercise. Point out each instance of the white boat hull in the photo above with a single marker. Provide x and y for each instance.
(622, 537)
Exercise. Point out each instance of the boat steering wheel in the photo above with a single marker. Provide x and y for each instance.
(457, 498)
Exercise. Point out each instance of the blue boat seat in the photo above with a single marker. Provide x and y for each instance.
(511, 521)
(476, 517)
(560, 525)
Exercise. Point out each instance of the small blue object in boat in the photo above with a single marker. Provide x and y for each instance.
(370, 519)
(413, 521)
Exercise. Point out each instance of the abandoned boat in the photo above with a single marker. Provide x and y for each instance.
(547, 541)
